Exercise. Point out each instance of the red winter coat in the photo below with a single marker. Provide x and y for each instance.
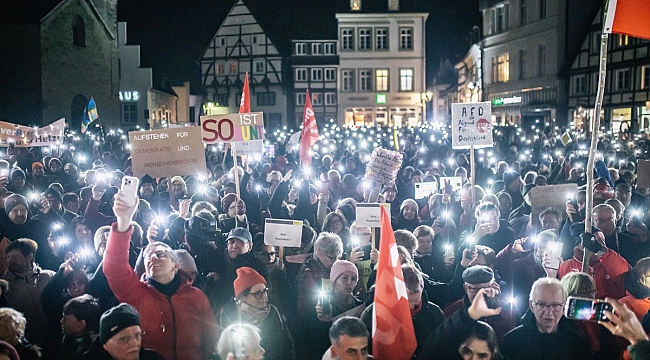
(182, 326)
(608, 272)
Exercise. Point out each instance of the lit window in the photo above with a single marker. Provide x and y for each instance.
(406, 80)
(317, 99)
(347, 39)
(364, 39)
(623, 40)
(406, 38)
(355, 5)
(381, 36)
(381, 80)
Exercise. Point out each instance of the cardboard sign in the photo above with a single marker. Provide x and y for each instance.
(643, 174)
(550, 196)
(455, 181)
(471, 125)
(369, 215)
(253, 147)
(566, 138)
(383, 165)
(232, 127)
(167, 152)
(424, 189)
(287, 233)
(26, 136)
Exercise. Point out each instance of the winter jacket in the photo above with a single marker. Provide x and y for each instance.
(97, 352)
(526, 342)
(638, 295)
(608, 272)
(502, 323)
(180, 326)
(519, 270)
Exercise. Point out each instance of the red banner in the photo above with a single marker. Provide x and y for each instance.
(309, 132)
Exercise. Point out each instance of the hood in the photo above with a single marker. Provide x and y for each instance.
(634, 287)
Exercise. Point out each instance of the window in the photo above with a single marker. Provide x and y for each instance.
(502, 18)
(522, 64)
(317, 49)
(347, 77)
(330, 98)
(301, 74)
(347, 39)
(233, 68)
(220, 68)
(405, 79)
(623, 79)
(254, 39)
(317, 99)
(364, 39)
(501, 68)
(316, 74)
(259, 67)
(330, 74)
(623, 40)
(381, 36)
(522, 13)
(645, 77)
(381, 80)
(266, 98)
(579, 84)
(330, 49)
(542, 9)
(300, 98)
(129, 113)
(79, 32)
(406, 38)
(355, 5)
(301, 49)
(541, 60)
(222, 42)
(365, 76)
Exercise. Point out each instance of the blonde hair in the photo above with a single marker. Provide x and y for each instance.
(15, 320)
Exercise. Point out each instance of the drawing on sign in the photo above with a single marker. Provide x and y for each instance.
(471, 125)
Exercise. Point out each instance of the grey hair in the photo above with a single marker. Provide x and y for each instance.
(328, 243)
(546, 281)
(172, 254)
(236, 339)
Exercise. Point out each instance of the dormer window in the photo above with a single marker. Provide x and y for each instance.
(355, 5)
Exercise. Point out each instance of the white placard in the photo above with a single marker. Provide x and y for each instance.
(471, 125)
(550, 196)
(455, 181)
(245, 148)
(369, 215)
(278, 232)
(424, 189)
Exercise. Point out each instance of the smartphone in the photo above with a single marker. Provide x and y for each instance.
(449, 251)
(161, 228)
(554, 253)
(574, 202)
(130, 189)
(472, 247)
(493, 302)
(586, 309)
(448, 188)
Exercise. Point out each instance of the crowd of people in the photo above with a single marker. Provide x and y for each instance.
(184, 272)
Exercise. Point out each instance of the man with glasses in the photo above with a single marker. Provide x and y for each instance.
(251, 305)
(544, 333)
(604, 219)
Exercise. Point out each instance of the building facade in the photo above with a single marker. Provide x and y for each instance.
(381, 65)
(315, 66)
(135, 82)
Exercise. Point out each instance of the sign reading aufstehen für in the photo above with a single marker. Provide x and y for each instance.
(471, 125)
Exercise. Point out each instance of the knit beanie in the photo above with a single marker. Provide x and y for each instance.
(14, 200)
(37, 164)
(177, 178)
(510, 176)
(146, 179)
(117, 319)
(409, 202)
(226, 201)
(17, 172)
(341, 266)
(53, 193)
(246, 279)
(99, 238)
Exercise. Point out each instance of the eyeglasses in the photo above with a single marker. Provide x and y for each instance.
(268, 254)
(160, 254)
(473, 289)
(554, 306)
(258, 295)
(333, 258)
(125, 340)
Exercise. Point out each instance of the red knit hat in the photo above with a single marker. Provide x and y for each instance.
(246, 279)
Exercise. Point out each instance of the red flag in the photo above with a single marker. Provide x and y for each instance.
(628, 17)
(393, 336)
(245, 104)
(309, 132)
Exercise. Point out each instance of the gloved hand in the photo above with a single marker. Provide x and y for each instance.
(590, 243)
(241, 207)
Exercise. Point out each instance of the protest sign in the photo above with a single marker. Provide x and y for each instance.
(643, 174)
(26, 136)
(456, 182)
(383, 165)
(287, 233)
(550, 196)
(566, 138)
(369, 214)
(471, 125)
(245, 148)
(167, 152)
(424, 189)
(232, 127)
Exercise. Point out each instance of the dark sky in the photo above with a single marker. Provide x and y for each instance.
(174, 33)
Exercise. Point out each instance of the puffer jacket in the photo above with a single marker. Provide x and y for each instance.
(181, 326)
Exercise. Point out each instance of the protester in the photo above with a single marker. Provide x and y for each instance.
(80, 326)
(239, 341)
(350, 339)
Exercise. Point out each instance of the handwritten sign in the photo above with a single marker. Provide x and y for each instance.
(167, 152)
(369, 215)
(287, 233)
(383, 165)
(424, 189)
(550, 196)
(232, 127)
(471, 125)
(643, 174)
(456, 182)
(26, 136)
(253, 147)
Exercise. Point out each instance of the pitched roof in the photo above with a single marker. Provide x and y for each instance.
(22, 12)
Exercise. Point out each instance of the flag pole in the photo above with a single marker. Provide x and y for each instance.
(595, 127)
(235, 170)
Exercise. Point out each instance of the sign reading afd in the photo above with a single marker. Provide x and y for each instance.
(232, 127)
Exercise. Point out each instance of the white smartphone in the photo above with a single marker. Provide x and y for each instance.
(554, 253)
(130, 189)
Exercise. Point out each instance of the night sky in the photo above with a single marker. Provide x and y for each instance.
(173, 34)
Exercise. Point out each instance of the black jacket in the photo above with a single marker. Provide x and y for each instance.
(97, 352)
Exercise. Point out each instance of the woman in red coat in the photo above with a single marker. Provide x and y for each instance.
(176, 317)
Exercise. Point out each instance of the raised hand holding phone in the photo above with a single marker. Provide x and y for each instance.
(129, 189)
